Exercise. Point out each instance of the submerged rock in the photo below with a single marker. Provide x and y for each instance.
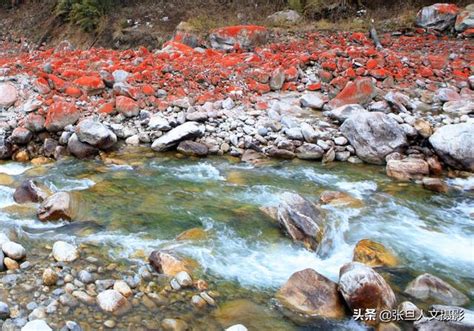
(113, 302)
(363, 288)
(453, 144)
(429, 287)
(301, 219)
(312, 294)
(435, 185)
(167, 263)
(56, 207)
(373, 254)
(36, 325)
(188, 130)
(374, 136)
(340, 198)
(28, 191)
(65, 252)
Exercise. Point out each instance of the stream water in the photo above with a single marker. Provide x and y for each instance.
(134, 204)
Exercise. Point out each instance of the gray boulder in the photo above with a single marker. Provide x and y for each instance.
(186, 131)
(309, 152)
(465, 19)
(439, 16)
(344, 112)
(285, 17)
(5, 148)
(80, 149)
(192, 148)
(20, 136)
(95, 134)
(56, 207)
(301, 219)
(374, 136)
(454, 145)
(429, 287)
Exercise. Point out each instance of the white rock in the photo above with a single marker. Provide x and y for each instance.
(13, 250)
(183, 279)
(36, 325)
(123, 288)
(64, 252)
(158, 122)
(312, 100)
(112, 301)
(237, 327)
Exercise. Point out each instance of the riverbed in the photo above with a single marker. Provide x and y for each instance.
(131, 204)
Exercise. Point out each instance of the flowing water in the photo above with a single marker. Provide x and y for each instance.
(143, 203)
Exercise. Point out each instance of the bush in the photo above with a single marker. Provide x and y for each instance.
(84, 13)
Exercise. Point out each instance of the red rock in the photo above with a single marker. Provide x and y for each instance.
(361, 91)
(73, 92)
(108, 108)
(127, 106)
(61, 114)
(314, 87)
(242, 36)
(148, 90)
(57, 83)
(90, 84)
(42, 86)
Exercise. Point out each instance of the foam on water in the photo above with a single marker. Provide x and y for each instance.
(444, 245)
(359, 188)
(6, 196)
(261, 195)
(200, 172)
(466, 184)
(13, 168)
(68, 184)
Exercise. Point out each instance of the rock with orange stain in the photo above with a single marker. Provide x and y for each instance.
(465, 19)
(242, 36)
(42, 86)
(439, 16)
(61, 114)
(361, 91)
(127, 106)
(91, 85)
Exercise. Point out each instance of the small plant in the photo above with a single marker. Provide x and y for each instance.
(84, 13)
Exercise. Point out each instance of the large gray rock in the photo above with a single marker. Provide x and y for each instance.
(56, 207)
(439, 16)
(465, 19)
(285, 17)
(454, 144)
(243, 36)
(312, 294)
(80, 149)
(344, 112)
(429, 287)
(192, 148)
(186, 131)
(363, 288)
(309, 152)
(301, 219)
(438, 324)
(374, 136)
(95, 134)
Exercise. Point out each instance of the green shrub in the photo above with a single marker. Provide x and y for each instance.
(84, 13)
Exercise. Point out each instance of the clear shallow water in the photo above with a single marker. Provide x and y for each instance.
(144, 205)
